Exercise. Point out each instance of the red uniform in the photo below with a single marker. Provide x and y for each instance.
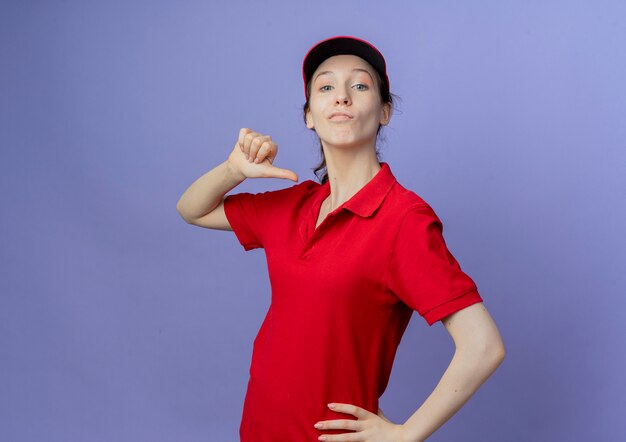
(342, 297)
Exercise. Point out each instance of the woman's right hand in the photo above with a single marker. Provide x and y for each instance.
(253, 156)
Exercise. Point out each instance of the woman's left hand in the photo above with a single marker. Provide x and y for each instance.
(369, 427)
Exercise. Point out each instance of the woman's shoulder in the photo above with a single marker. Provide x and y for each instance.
(296, 191)
(412, 213)
(304, 187)
(289, 195)
(406, 200)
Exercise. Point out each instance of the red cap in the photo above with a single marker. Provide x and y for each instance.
(343, 44)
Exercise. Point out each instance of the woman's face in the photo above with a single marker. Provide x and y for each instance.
(345, 107)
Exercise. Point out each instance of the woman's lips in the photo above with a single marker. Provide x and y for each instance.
(340, 117)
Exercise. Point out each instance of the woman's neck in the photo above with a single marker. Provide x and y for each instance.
(348, 171)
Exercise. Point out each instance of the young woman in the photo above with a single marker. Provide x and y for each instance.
(349, 260)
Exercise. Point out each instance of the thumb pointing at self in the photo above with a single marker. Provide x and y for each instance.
(277, 172)
(254, 154)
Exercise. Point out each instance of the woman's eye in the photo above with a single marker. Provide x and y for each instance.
(359, 86)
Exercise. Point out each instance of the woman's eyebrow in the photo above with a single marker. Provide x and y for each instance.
(353, 70)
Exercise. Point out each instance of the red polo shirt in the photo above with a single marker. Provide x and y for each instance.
(342, 297)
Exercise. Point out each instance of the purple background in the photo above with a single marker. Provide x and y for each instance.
(120, 322)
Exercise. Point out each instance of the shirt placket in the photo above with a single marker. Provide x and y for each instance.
(315, 235)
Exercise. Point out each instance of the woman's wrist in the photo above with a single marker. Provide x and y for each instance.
(404, 434)
(233, 173)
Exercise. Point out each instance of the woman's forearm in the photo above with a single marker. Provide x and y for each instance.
(467, 371)
(207, 192)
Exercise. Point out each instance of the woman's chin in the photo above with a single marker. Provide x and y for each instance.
(347, 141)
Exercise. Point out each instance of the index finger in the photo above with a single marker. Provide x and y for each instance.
(348, 409)
(242, 133)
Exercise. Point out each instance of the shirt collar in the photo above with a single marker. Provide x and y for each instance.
(368, 198)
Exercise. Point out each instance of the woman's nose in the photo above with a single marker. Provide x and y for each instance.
(342, 97)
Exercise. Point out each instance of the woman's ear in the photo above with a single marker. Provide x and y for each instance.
(309, 120)
(386, 114)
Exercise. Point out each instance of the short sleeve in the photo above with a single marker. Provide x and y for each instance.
(422, 271)
(246, 214)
